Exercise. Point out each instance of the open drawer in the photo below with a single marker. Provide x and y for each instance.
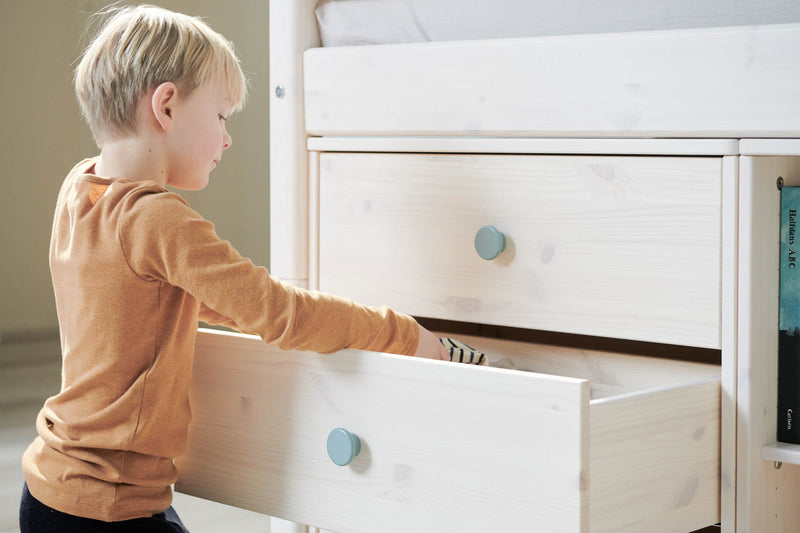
(587, 441)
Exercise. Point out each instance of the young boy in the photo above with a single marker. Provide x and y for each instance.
(134, 268)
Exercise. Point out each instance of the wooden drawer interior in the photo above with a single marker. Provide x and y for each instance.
(650, 418)
(620, 247)
(571, 441)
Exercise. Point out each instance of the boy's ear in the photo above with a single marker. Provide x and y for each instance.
(162, 103)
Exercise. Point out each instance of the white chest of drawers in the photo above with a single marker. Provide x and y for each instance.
(591, 441)
(263, 446)
(679, 238)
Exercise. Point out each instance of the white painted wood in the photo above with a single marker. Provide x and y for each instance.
(782, 452)
(277, 525)
(730, 251)
(291, 30)
(682, 423)
(525, 146)
(590, 85)
(515, 450)
(313, 220)
(620, 247)
(719, 82)
(766, 497)
(635, 372)
(785, 147)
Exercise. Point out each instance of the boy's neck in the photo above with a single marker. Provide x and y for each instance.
(132, 158)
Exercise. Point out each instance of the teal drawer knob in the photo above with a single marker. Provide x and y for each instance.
(343, 446)
(489, 242)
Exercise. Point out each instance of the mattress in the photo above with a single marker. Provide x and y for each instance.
(363, 22)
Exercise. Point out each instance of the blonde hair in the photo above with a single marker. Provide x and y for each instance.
(137, 49)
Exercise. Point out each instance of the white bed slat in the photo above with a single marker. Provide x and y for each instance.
(757, 352)
(467, 145)
(721, 82)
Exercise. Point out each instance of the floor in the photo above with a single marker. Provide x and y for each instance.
(29, 373)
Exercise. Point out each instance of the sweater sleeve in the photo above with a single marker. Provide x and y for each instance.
(164, 240)
(209, 316)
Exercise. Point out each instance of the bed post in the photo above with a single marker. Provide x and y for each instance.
(292, 29)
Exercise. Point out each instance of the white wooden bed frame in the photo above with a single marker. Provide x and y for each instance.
(728, 92)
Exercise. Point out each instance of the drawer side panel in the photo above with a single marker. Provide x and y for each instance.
(655, 460)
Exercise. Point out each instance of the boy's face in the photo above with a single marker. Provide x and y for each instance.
(198, 136)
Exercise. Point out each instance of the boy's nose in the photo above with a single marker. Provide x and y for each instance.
(226, 141)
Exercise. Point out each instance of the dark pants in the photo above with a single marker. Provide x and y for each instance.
(36, 517)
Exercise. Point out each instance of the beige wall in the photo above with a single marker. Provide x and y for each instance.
(42, 136)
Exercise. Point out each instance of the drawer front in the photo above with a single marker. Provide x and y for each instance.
(441, 448)
(456, 448)
(624, 247)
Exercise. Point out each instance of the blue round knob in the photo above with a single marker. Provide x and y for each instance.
(343, 446)
(489, 242)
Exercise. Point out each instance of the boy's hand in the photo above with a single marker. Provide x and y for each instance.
(429, 346)
(432, 347)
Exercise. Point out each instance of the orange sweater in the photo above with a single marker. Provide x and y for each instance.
(133, 269)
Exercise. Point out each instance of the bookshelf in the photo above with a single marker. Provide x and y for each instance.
(781, 452)
(778, 452)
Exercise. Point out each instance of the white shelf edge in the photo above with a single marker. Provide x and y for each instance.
(494, 145)
(781, 451)
(769, 147)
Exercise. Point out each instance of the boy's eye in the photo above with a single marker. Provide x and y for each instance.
(223, 118)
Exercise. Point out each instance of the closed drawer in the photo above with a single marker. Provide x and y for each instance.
(623, 247)
(589, 441)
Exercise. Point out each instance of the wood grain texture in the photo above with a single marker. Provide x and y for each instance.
(655, 445)
(628, 373)
(445, 447)
(448, 447)
(729, 328)
(533, 145)
(292, 30)
(655, 460)
(608, 246)
(766, 497)
(720, 82)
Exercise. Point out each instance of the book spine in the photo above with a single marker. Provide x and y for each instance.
(789, 319)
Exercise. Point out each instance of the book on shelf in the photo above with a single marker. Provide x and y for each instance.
(789, 319)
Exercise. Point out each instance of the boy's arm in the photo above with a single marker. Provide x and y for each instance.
(209, 316)
(428, 346)
(164, 239)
